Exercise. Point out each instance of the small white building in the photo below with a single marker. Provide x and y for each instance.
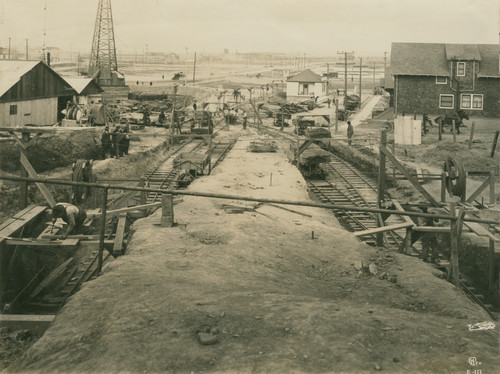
(87, 90)
(31, 93)
(305, 85)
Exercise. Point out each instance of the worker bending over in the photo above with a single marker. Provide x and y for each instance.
(73, 215)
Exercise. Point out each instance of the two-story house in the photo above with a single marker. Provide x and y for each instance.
(440, 78)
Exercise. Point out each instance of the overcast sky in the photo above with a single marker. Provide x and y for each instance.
(315, 27)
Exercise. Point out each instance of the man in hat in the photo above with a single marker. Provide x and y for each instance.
(105, 143)
(73, 215)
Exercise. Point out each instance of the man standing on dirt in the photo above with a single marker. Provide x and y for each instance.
(328, 101)
(73, 215)
(105, 143)
(350, 132)
(244, 115)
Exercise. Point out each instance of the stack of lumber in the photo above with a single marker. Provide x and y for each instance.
(263, 146)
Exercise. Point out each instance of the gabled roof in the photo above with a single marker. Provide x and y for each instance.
(467, 52)
(12, 71)
(419, 59)
(306, 76)
(432, 59)
(80, 84)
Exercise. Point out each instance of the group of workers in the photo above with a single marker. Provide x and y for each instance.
(231, 116)
(116, 142)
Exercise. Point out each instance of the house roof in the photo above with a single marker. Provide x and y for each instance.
(432, 59)
(466, 52)
(305, 76)
(12, 71)
(80, 84)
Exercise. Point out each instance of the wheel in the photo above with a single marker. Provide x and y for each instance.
(389, 126)
(455, 177)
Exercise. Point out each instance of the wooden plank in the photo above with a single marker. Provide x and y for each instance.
(480, 189)
(51, 277)
(398, 207)
(21, 220)
(480, 230)
(290, 210)
(28, 317)
(33, 174)
(120, 231)
(434, 229)
(383, 229)
(42, 243)
(412, 180)
(131, 208)
(18, 216)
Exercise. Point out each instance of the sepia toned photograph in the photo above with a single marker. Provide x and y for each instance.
(279, 186)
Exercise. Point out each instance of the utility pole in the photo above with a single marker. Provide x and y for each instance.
(9, 48)
(360, 73)
(194, 67)
(78, 64)
(327, 78)
(26, 49)
(385, 61)
(345, 73)
(185, 66)
(374, 76)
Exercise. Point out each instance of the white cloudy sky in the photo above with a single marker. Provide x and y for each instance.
(315, 27)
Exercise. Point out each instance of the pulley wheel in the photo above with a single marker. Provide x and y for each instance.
(455, 177)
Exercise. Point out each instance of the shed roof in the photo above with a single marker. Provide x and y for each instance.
(12, 71)
(433, 58)
(305, 76)
(81, 84)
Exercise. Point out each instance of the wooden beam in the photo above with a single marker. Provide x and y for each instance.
(432, 229)
(120, 232)
(290, 210)
(399, 208)
(454, 248)
(51, 277)
(412, 180)
(128, 209)
(383, 229)
(42, 243)
(33, 174)
(478, 192)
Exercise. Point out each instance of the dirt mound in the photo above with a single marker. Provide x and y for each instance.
(253, 292)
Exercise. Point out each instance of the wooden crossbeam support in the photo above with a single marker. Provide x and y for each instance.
(42, 242)
(431, 229)
(410, 178)
(120, 232)
(33, 174)
(383, 229)
(480, 189)
(54, 274)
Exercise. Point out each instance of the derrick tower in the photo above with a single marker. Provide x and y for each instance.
(103, 64)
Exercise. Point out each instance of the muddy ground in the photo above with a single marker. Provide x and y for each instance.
(263, 293)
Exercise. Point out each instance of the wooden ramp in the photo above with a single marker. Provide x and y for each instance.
(19, 220)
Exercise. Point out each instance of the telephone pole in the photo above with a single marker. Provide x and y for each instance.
(345, 73)
(194, 67)
(327, 77)
(26, 49)
(385, 61)
(9, 48)
(360, 73)
(374, 76)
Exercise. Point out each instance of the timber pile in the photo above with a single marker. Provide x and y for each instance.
(263, 146)
(313, 155)
(318, 132)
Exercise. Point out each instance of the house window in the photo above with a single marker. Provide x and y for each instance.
(469, 101)
(13, 110)
(461, 69)
(441, 80)
(446, 101)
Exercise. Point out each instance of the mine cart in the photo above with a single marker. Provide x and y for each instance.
(202, 122)
(190, 166)
(310, 159)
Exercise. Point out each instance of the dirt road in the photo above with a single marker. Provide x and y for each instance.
(268, 296)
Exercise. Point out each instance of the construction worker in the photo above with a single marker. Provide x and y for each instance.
(73, 215)
(106, 145)
(162, 119)
(350, 132)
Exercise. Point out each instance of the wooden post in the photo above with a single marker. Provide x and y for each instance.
(443, 187)
(209, 154)
(408, 241)
(167, 210)
(23, 188)
(336, 116)
(103, 229)
(440, 128)
(454, 130)
(454, 247)
(471, 137)
(494, 145)
(360, 73)
(492, 188)
(381, 183)
(394, 153)
(491, 269)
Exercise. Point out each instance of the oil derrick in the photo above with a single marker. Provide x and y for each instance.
(103, 63)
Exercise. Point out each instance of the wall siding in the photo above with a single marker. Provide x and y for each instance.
(416, 94)
(39, 82)
(29, 112)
